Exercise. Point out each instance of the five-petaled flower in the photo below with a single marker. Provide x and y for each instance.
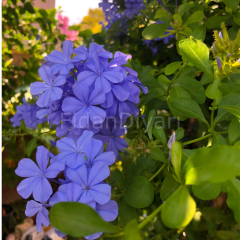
(36, 176)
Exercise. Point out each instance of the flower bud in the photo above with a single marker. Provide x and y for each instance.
(220, 34)
(170, 143)
(219, 63)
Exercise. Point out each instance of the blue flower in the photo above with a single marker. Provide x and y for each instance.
(71, 152)
(111, 133)
(51, 90)
(84, 107)
(71, 192)
(36, 181)
(42, 217)
(94, 153)
(103, 78)
(91, 181)
(61, 60)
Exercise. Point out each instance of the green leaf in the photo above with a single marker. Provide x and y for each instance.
(151, 119)
(233, 191)
(179, 134)
(168, 187)
(188, 108)
(161, 13)
(233, 4)
(78, 219)
(212, 94)
(215, 21)
(206, 190)
(176, 158)
(132, 231)
(139, 192)
(209, 164)
(158, 155)
(232, 99)
(199, 33)
(234, 130)
(185, 7)
(155, 30)
(177, 92)
(195, 17)
(164, 79)
(197, 53)
(126, 212)
(159, 133)
(31, 146)
(145, 161)
(117, 176)
(28, 6)
(179, 209)
(235, 110)
(172, 67)
(218, 139)
(193, 87)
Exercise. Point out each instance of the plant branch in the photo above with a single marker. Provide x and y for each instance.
(197, 139)
(151, 216)
(159, 170)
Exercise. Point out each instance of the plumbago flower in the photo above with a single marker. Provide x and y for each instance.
(79, 95)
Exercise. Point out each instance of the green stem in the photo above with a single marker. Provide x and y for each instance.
(151, 216)
(224, 132)
(161, 168)
(212, 118)
(197, 139)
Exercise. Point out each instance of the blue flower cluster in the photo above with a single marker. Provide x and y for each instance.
(114, 12)
(89, 98)
(84, 166)
(27, 113)
(88, 92)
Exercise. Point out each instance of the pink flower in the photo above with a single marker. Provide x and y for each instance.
(63, 26)
(72, 35)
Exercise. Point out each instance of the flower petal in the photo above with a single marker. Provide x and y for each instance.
(26, 186)
(67, 144)
(108, 211)
(45, 74)
(71, 105)
(97, 115)
(32, 208)
(54, 169)
(101, 193)
(78, 175)
(86, 135)
(92, 149)
(81, 90)
(42, 157)
(106, 157)
(27, 168)
(43, 190)
(38, 87)
(99, 172)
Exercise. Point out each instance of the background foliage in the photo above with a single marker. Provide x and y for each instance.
(197, 194)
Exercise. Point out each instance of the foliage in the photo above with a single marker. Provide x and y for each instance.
(194, 79)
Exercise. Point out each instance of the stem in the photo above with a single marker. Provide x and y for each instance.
(161, 168)
(224, 132)
(152, 215)
(175, 77)
(198, 139)
(212, 117)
